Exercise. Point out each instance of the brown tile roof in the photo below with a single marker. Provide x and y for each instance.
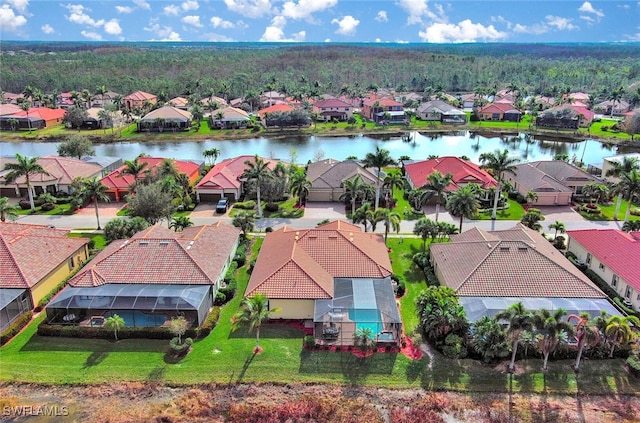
(61, 170)
(534, 179)
(564, 172)
(301, 264)
(168, 113)
(157, 255)
(28, 253)
(330, 173)
(463, 171)
(517, 262)
(140, 96)
(226, 174)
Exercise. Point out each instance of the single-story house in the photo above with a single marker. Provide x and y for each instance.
(150, 278)
(93, 119)
(166, 118)
(106, 99)
(463, 171)
(499, 111)
(269, 98)
(11, 98)
(119, 183)
(138, 99)
(383, 109)
(327, 178)
(439, 111)
(214, 101)
(610, 253)
(107, 163)
(276, 108)
(332, 108)
(179, 103)
(9, 109)
(225, 179)
(62, 171)
(608, 164)
(34, 260)
(229, 117)
(609, 107)
(34, 118)
(490, 271)
(335, 278)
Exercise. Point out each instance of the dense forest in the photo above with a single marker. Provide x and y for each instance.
(239, 69)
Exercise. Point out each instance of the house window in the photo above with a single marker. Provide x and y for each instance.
(72, 263)
(627, 293)
(601, 266)
(614, 281)
(588, 258)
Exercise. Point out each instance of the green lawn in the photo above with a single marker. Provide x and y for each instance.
(99, 241)
(609, 210)
(287, 209)
(515, 211)
(61, 209)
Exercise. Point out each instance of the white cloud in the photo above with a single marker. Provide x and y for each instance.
(416, 9)
(587, 18)
(190, 5)
(91, 35)
(382, 16)
(587, 7)
(165, 33)
(535, 29)
(124, 9)
(305, 8)
(171, 10)
(218, 22)
(502, 20)
(463, 32)
(79, 16)
(560, 23)
(142, 4)
(250, 8)
(112, 27)
(19, 5)
(378, 40)
(9, 21)
(216, 38)
(346, 25)
(275, 32)
(633, 37)
(192, 20)
(47, 29)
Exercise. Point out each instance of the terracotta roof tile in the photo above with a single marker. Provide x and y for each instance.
(226, 174)
(463, 172)
(61, 170)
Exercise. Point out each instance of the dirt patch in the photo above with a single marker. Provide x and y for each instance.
(139, 402)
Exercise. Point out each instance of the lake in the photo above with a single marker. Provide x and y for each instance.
(307, 148)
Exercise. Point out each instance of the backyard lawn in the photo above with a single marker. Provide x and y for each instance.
(515, 211)
(609, 210)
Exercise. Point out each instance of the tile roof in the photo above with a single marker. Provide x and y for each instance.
(331, 102)
(178, 102)
(463, 171)
(117, 179)
(9, 109)
(384, 102)
(439, 105)
(139, 96)
(330, 173)
(301, 264)
(517, 262)
(534, 179)
(43, 113)
(563, 171)
(168, 113)
(28, 253)
(61, 170)
(226, 174)
(497, 107)
(614, 248)
(157, 255)
(280, 107)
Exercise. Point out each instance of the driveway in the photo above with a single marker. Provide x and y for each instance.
(324, 210)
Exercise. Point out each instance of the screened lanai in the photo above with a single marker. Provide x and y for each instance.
(138, 304)
(358, 304)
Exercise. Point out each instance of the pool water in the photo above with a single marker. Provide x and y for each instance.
(136, 318)
(366, 319)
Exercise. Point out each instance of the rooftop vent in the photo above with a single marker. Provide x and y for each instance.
(144, 242)
(164, 242)
(504, 248)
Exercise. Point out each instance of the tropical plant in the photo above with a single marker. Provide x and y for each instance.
(440, 314)
(393, 180)
(558, 227)
(418, 198)
(257, 170)
(124, 228)
(464, 203)
(179, 223)
(76, 146)
(626, 165)
(211, 154)
(254, 312)
(245, 221)
(364, 338)
(531, 197)
(619, 332)
(94, 190)
(354, 188)
(390, 219)
(520, 319)
(630, 184)
(631, 226)
(178, 327)
(489, 339)
(586, 332)
(381, 158)
(299, 185)
(498, 162)
(27, 167)
(152, 202)
(438, 183)
(8, 210)
(114, 323)
(531, 219)
(364, 214)
(553, 329)
(135, 168)
(425, 228)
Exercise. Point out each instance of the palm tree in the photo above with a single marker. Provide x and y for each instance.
(418, 198)
(520, 319)
(244, 220)
(179, 223)
(299, 186)
(630, 184)
(531, 197)
(114, 323)
(363, 214)
(364, 338)
(254, 311)
(257, 170)
(438, 183)
(558, 227)
(7, 210)
(381, 158)
(626, 165)
(393, 180)
(134, 168)
(26, 167)
(390, 219)
(498, 162)
(424, 228)
(211, 154)
(631, 226)
(619, 332)
(553, 329)
(586, 333)
(353, 189)
(95, 190)
(464, 202)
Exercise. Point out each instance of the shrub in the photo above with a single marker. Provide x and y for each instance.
(454, 347)
(46, 329)
(272, 207)
(178, 348)
(268, 229)
(209, 324)
(421, 259)
(401, 284)
(220, 299)
(633, 362)
(309, 341)
(245, 205)
(15, 327)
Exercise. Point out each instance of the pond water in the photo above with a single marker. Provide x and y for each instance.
(312, 148)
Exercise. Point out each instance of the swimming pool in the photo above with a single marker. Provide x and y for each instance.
(367, 318)
(136, 318)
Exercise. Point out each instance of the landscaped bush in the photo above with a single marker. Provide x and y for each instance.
(633, 362)
(220, 299)
(271, 207)
(177, 348)
(245, 205)
(454, 347)
(401, 284)
(46, 329)
(205, 329)
(15, 327)
(309, 341)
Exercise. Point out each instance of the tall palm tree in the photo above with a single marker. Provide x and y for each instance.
(630, 184)
(364, 214)
(553, 327)
(257, 170)
(418, 198)
(254, 312)
(7, 210)
(299, 185)
(390, 219)
(381, 158)
(95, 191)
(425, 228)
(393, 180)
(619, 332)
(558, 227)
(586, 333)
(520, 319)
(438, 183)
(464, 202)
(211, 154)
(626, 165)
(354, 188)
(498, 162)
(26, 167)
(25, 106)
(114, 323)
(531, 197)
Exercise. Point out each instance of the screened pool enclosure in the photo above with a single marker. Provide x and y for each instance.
(139, 305)
(368, 304)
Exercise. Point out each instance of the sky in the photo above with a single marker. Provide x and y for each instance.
(389, 21)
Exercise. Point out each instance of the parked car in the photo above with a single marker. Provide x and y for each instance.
(222, 206)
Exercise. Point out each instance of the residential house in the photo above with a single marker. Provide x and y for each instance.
(499, 111)
(383, 110)
(106, 99)
(61, 173)
(138, 99)
(148, 279)
(34, 118)
(612, 108)
(608, 164)
(270, 98)
(469, 101)
(119, 183)
(225, 179)
(93, 119)
(65, 100)
(217, 102)
(11, 98)
(9, 109)
(335, 278)
(490, 271)
(332, 108)
(166, 118)
(276, 108)
(439, 111)
(229, 117)
(34, 260)
(327, 178)
(610, 254)
(179, 103)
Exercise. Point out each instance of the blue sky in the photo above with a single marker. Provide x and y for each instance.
(321, 20)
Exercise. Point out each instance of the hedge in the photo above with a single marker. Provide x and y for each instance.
(15, 327)
(245, 205)
(46, 329)
(634, 365)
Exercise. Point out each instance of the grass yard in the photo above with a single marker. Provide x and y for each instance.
(515, 211)
(286, 209)
(99, 241)
(60, 209)
(609, 210)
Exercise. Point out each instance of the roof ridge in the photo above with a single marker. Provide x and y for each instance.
(13, 259)
(360, 249)
(480, 263)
